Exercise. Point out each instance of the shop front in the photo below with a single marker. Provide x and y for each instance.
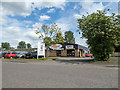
(65, 50)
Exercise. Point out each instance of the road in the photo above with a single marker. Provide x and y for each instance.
(56, 74)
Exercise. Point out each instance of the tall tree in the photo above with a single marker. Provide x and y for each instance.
(102, 33)
(69, 37)
(21, 45)
(50, 34)
(6, 45)
(28, 45)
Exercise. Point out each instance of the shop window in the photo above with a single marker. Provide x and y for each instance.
(58, 52)
(71, 53)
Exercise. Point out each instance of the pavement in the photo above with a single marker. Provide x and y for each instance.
(57, 74)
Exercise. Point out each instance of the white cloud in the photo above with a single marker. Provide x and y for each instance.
(75, 7)
(48, 4)
(44, 17)
(26, 8)
(51, 10)
(77, 16)
(14, 31)
(64, 24)
(90, 7)
(21, 8)
(37, 25)
(14, 35)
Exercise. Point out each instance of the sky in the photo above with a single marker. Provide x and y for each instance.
(19, 20)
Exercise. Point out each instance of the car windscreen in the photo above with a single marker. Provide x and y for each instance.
(34, 53)
(14, 53)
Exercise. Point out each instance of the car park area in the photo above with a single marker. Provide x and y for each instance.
(19, 55)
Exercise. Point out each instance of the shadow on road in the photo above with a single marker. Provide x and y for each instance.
(84, 61)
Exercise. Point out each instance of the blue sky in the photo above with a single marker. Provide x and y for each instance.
(19, 20)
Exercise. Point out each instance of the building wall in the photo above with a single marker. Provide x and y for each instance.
(63, 53)
(77, 53)
(52, 53)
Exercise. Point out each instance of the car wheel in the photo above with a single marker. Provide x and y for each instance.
(11, 57)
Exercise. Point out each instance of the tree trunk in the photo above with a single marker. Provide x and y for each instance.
(47, 52)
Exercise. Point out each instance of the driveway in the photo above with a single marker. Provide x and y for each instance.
(57, 74)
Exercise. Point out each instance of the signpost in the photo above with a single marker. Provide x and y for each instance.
(40, 49)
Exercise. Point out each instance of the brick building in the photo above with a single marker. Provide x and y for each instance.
(66, 50)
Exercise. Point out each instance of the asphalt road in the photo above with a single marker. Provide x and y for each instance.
(54, 74)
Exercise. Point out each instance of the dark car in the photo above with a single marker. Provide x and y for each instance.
(2, 54)
(31, 55)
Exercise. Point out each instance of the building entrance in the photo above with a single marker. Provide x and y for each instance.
(71, 53)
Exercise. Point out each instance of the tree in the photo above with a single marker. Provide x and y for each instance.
(12, 48)
(50, 34)
(6, 45)
(102, 33)
(28, 45)
(69, 37)
(58, 38)
(21, 45)
(47, 41)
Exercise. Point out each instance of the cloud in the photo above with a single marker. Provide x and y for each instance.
(76, 16)
(14, 31)
(75, 7)
(26, 8)
(51, 10)
(44, 17)
(48, 4)
(37, 25)
(14, 35)
(19, 8)
(90, 7)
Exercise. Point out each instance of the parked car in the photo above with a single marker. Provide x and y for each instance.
(88, 55)
(10, 55)
(31, 55)
(20, 55)
(3, 54)
(0, 54)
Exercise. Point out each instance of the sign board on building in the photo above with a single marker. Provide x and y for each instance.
(41, 49)
(69, 46)
(56, 47)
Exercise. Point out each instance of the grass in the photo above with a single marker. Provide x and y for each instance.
(47, 58)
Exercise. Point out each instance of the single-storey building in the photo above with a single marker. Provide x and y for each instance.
(66, 50)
